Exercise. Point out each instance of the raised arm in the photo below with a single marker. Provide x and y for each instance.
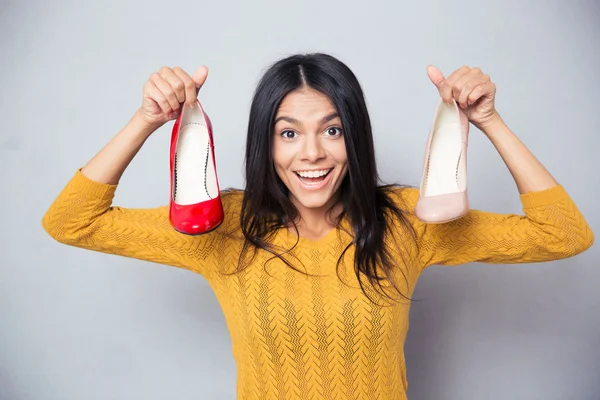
(83, 214)
(551, 227)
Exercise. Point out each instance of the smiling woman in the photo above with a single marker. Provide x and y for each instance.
(313, 199)
(308, 117)
(310, 157)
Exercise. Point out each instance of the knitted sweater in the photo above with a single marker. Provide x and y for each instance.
(315, 336)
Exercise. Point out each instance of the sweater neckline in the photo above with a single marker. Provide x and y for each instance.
(334, 235)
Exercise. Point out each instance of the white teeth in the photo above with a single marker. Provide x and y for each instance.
(313, 174)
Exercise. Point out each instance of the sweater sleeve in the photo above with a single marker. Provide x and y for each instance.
(551, 228)
(83, 216)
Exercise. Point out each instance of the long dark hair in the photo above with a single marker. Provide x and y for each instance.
(368, 205)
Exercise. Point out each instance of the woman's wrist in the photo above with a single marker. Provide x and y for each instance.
(493, 127)
(142, 127)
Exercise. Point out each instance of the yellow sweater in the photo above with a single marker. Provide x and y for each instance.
(304, 337)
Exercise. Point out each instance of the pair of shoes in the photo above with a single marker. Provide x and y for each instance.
(195, 207)
(443, 192)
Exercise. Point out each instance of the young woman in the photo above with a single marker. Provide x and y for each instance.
(315, 284)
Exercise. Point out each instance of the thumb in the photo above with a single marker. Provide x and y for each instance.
(199, 77)
(435, 75)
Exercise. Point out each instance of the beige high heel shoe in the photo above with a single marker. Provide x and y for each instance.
(443, 193)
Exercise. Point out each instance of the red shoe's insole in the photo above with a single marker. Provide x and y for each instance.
(196, 179)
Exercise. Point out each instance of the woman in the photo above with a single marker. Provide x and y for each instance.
(315, 285)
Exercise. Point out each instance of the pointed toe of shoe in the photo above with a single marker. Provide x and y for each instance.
(442, 208)
(197, 219)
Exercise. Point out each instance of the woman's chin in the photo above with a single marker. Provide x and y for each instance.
(311, 202)
(314, 199)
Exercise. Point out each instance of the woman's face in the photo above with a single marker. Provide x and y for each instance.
(308, 148)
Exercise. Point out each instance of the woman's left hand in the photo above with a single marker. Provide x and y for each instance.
(471, 88)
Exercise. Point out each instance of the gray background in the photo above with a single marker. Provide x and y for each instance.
(80, 325)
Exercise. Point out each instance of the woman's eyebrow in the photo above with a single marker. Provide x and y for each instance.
(330, 117)
(295, 121)
(287, 119)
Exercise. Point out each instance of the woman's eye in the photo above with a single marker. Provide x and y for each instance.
(288, 134)
(334, 131)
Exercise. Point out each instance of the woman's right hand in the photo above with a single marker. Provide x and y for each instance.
(166, 90)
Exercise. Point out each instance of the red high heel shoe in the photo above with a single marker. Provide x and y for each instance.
(195, 206)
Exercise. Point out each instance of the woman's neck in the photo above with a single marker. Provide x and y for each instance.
(315, 223)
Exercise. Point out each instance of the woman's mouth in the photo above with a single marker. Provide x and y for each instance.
(314, 179)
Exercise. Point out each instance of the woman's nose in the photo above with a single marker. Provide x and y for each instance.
(312, 150)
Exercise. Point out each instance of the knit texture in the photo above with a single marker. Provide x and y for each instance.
(314, 334)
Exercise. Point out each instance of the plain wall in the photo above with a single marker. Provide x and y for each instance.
(81, 325)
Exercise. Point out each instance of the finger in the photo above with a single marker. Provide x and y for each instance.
(448, 84)
(199, 77)
(467, 86)
(154, 94)
(175, 82)
(166, 90)
(189, 86)
(486, 89)
(435, 75)
(467, 81)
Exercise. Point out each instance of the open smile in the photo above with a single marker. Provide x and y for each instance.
(314, 179)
